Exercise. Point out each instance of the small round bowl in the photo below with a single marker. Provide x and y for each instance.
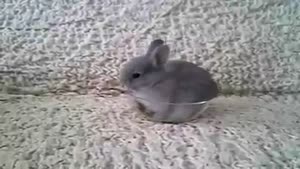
(140, 102)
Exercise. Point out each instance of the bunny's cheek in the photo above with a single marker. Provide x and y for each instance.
(135, 85)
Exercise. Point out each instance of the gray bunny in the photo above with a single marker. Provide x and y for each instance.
(163, 87)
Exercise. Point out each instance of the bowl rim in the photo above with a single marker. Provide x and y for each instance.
(170, 103)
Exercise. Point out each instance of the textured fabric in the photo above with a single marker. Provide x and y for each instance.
(63, 48)
(94, 132)
(65, 45)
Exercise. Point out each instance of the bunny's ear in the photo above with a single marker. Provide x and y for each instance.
(160, 55)
(153, 45)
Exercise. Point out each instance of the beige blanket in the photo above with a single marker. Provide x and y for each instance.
(60, 47)
(95, 132)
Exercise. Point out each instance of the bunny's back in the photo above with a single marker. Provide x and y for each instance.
(194, 84)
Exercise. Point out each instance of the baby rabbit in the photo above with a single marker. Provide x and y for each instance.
(167, 88)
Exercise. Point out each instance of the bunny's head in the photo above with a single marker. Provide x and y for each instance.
(146, 70)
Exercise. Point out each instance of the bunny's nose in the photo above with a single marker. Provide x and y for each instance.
(124, 88)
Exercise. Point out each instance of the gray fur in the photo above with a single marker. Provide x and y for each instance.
(162, 81)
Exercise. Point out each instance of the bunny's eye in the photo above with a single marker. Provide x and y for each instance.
(136, 75)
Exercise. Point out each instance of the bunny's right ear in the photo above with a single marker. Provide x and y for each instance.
(153, 45)
(160, 55)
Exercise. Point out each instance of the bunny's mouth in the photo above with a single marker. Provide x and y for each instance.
(128, 91)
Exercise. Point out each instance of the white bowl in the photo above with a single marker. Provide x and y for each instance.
(202, 106)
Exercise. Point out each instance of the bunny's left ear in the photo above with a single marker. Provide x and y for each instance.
(153, 45)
